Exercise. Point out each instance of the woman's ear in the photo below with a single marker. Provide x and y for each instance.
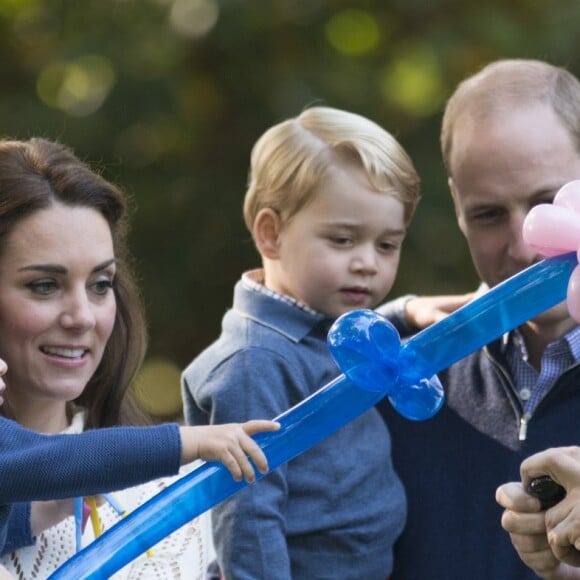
(266, 232)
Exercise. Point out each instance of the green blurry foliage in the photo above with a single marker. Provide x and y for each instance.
(166, 98)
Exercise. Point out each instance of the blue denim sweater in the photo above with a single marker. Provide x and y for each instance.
(452, 464)
(332, 512)
(42, 467)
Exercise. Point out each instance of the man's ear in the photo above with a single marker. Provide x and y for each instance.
(456, 205)
(266, 232)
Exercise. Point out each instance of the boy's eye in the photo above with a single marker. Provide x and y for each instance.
(388, 246)
(340, 240)
(42, 287)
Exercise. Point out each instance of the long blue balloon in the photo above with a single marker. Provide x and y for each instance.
(374, 363)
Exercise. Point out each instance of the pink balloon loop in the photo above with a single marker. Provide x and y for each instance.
(569, 196)
(573, 296)
(553, 229)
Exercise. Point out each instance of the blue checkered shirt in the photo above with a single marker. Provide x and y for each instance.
(532, 385)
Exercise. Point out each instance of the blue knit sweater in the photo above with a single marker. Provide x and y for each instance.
(42, 467)
(332, 512)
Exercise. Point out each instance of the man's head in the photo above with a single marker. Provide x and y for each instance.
(510, 139)
(507, 85)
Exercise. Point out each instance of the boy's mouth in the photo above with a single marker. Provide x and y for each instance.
(356, 294)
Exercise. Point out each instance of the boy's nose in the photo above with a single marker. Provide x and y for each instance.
(365, 260)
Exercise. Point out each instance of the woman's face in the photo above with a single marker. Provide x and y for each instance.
(57, 306)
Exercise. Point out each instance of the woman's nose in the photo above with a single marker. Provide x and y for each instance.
(78, 311)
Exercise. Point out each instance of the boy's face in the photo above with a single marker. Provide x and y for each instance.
(341, 251)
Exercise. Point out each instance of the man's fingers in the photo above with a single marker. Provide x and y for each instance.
(524, 524)
(562, 464)
(513, 496)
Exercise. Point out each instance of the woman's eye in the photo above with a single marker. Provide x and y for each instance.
(42, 287)
(102, 287)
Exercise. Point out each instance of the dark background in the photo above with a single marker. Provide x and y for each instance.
(167, 97)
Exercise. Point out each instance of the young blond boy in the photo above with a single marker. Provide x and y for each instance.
(329, 200)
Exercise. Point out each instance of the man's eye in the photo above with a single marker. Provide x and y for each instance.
(542, 201)
(487, 215)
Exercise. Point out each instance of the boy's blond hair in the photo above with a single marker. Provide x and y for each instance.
(292, 158)
(510, 84)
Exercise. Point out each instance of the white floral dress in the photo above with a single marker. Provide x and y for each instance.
(184, 554)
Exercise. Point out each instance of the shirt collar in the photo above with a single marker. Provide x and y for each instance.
(571, 341)
(275, 310)
(254, 280)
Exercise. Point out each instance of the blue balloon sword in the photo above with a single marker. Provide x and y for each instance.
(374, 364)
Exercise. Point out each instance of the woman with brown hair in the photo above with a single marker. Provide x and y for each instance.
(72, 332)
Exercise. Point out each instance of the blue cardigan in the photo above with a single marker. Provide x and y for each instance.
(332, 512)
(42, 467)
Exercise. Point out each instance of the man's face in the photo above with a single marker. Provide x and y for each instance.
(501, 167)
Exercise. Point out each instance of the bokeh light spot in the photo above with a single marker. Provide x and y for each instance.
(413, 82)
(353, 32)
(158, 387)
(78, 87)
(194, 18)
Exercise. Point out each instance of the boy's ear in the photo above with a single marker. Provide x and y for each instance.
(266, 232)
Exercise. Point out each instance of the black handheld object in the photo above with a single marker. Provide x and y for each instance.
(546, 490)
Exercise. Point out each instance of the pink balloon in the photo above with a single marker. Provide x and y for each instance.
(552, 229)
(573, 296)
(569, 196)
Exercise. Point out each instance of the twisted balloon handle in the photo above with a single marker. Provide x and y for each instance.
(374, 364)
